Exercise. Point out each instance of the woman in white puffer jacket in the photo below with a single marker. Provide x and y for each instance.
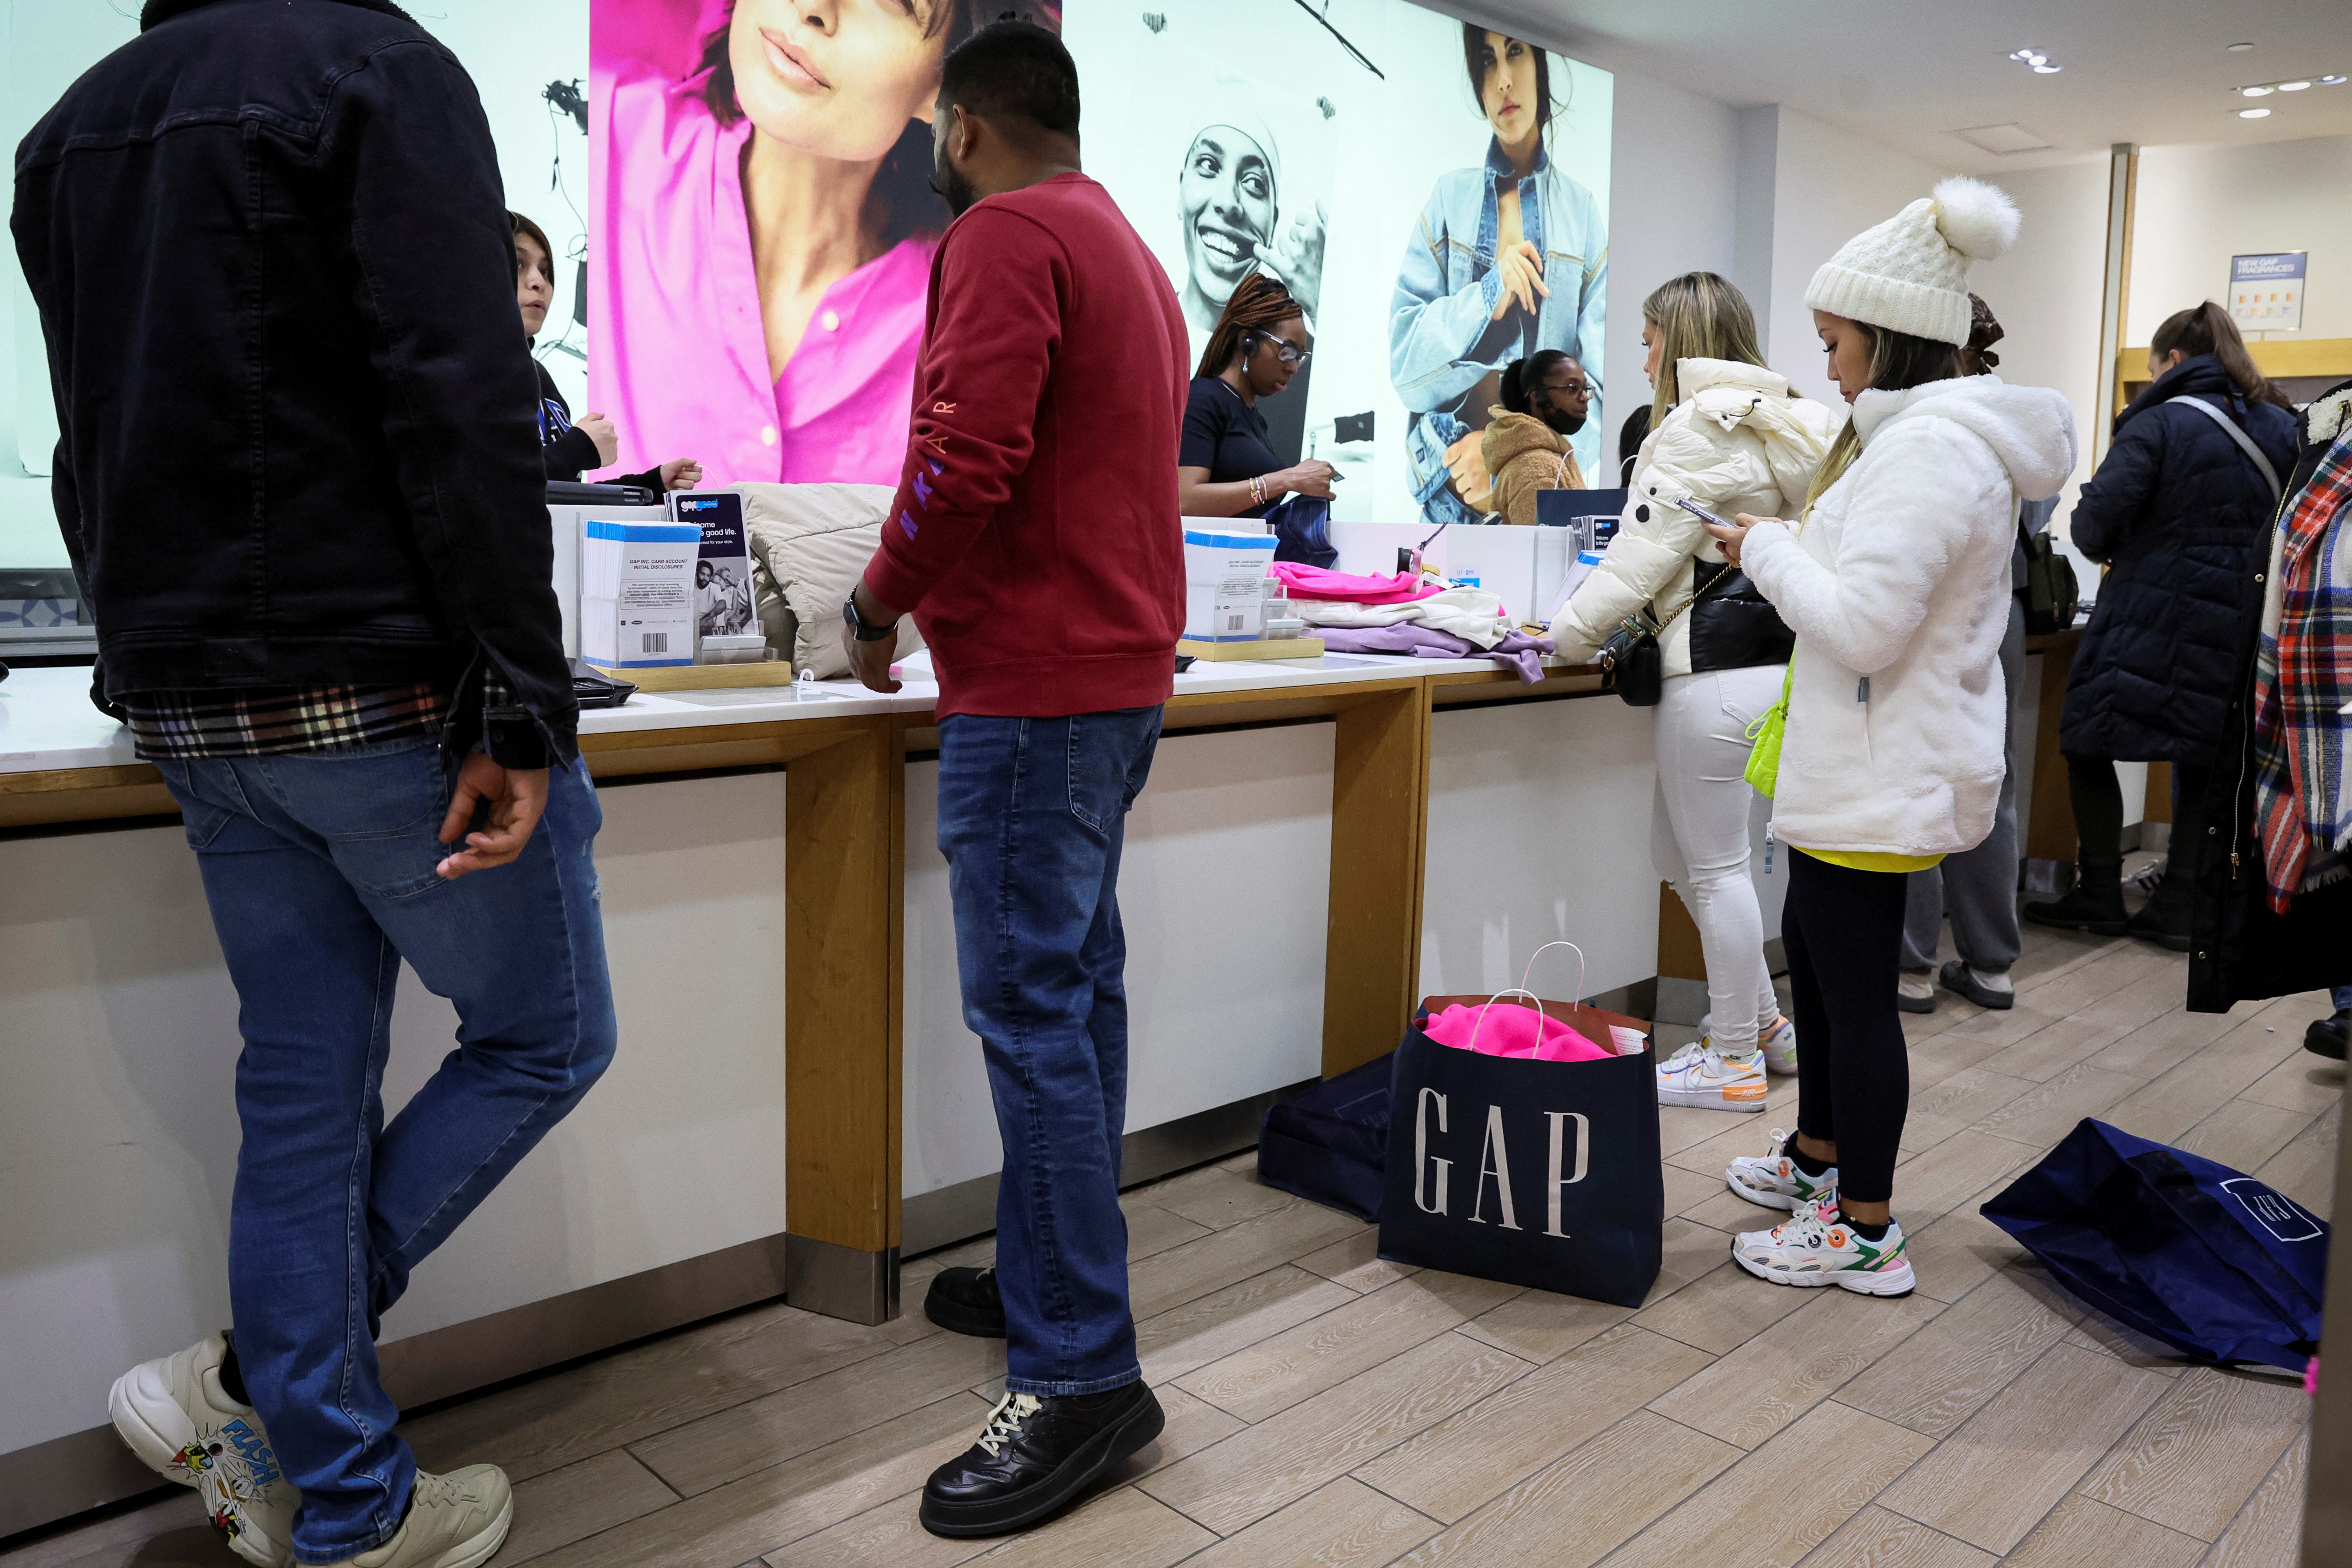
(1726, 435)
(1896, 582)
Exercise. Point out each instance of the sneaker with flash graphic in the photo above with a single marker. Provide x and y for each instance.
(1774, 1180)
(178, 1417)
(1701, 1075)
(1780, 1043)
(1814, 1246)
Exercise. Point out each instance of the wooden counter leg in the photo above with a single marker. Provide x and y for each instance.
(1379, 816)
(2050, 825)
(842, 821)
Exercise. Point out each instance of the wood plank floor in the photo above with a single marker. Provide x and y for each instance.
(1324, 1407)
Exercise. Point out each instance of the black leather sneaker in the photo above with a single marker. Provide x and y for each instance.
(1037, 1456)
(2329, 1036)
(965, 1302)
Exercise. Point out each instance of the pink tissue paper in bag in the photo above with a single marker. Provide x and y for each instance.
(1511, 1030)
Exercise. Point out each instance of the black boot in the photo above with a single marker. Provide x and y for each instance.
(2097, 904)
(1036, 1457)
(2330, 1036)
(966, 1301)
(2164, 919)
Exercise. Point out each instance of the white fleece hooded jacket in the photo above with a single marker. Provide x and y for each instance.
(1897, 586)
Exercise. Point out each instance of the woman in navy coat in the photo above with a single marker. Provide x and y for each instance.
(2179, 513)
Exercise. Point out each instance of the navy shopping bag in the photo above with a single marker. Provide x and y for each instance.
(1329, 1142)
(2187, 1251)
(1533, 1173)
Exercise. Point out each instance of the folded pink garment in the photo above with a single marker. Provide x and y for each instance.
(1511, 1030)
(1306, 582)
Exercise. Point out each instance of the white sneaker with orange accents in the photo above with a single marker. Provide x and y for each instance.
(1701, 1077)
(1814, 1246)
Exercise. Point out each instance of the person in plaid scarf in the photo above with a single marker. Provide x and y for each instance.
(2274, 892)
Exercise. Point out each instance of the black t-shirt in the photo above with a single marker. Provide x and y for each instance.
(1225, 435)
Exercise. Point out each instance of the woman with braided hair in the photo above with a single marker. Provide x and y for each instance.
(1226, 467)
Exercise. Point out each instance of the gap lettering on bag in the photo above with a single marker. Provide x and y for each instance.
(1421, 1160)
(2274, 1211)
(1564, 1168)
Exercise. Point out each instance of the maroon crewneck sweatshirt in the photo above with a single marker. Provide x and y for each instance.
(1035, 535)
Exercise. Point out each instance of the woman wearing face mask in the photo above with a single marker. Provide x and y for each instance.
(1525, 449)
(1727, 436)
(1896, 582)
(572, 449)
(765, 221)
(1508, 259)
(1226, 467)
(1228, 207)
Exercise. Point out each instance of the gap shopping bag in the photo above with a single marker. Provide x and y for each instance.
(1533, 1172)
(1329, 1142)
(2210, 1261)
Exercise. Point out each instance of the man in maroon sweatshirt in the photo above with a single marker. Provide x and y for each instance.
(1035, 539)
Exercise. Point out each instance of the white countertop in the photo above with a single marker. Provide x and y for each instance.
(46, 720)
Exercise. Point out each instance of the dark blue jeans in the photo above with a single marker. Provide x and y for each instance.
(1031, 815)
(319, 870)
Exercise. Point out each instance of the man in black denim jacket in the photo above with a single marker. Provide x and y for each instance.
(299, 474)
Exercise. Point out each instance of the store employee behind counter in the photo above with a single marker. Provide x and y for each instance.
(1226, 467)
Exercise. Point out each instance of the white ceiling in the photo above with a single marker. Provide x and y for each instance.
(1908, 73)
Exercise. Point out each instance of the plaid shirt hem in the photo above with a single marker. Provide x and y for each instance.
(272, 720)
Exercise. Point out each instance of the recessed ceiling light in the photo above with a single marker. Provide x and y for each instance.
(2253, 113)
(2240, 48)
(2293, 86)
(2047, 71)
(2332, 81)
(2254, 92)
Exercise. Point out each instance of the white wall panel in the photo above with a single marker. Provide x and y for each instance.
(117, 1125)
(1224, 887)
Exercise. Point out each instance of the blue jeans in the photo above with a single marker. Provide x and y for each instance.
(1031, 815)
(2340, 997)
(319, 870)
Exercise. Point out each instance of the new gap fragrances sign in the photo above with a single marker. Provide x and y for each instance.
(2266, 291)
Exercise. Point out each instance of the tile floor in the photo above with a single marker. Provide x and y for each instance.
(1327, 1409)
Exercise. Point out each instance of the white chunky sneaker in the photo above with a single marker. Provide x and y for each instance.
(457, 1521)
(1815, 1247)
(175, 1416)
(1780, 1043)
(1698, 1075)
(1773, 1179)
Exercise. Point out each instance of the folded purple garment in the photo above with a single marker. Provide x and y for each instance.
(1406, 636)
(1517, 652)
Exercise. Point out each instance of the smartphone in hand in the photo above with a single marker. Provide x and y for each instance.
(1701, 513)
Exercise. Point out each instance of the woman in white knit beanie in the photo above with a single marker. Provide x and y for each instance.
(1895, 580)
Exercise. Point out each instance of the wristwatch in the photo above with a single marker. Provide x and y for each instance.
(859, 627)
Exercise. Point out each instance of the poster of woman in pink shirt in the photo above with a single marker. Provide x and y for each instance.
(761, 225)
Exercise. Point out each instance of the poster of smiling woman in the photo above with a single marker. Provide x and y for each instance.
(761, 226)
(1433, 195)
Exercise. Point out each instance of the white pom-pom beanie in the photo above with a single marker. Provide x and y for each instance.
(1910, 274)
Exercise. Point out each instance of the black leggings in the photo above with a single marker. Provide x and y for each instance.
(1844, 933)
(2097, 797)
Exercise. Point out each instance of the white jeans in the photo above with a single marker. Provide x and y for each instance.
(1699, 837)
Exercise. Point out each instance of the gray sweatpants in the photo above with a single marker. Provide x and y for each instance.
(1978, 886)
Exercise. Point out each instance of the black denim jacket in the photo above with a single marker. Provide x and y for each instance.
(275, 274)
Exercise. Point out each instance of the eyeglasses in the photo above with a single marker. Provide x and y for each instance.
(1570, 389)
(1286, 352)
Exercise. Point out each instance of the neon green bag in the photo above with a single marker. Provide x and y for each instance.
(1765, 736)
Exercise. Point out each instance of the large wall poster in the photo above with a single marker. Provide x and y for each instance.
(1346, 149)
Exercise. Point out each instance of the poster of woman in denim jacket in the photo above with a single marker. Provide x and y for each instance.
(1507, 257)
